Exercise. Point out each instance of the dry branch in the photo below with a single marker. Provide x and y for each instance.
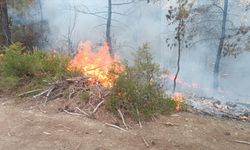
(168, 124)
(71, 89)
(242, 142)
(145, 142)
(57, 89)
(114, 126)
(96, 108)
(139, 119)
(85, 113)
(40, 94)
(75, 114)
(77, 79)
(71, 93)
(123, 120)
(106, 94)
(29, 92)
(50, 90)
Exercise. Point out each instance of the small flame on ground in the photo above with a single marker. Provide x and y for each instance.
(243, 118)
(96, 65)
(178, 98)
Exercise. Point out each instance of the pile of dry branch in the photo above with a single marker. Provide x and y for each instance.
(79, 97)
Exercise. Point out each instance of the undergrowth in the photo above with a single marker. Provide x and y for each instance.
(138, 89)
(137, 92)
(23, 67)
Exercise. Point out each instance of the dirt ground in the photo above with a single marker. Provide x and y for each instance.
(24, 128)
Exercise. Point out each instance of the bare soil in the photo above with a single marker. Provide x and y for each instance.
(24, 127)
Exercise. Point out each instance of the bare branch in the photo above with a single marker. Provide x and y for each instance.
(126, 3)
(29, 92)
(114, 126)
(145, 142)
(123, 120)
(96, 108)
(139, 119)
(75, 114)
(82, 111)
(218, 7)
(105, 12)
(242, 142)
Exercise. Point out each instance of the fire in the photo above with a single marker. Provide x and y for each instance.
(243, 118)
(178, 98)
(180, 81)
(96, 65)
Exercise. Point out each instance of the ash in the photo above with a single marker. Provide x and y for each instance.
(215, 107)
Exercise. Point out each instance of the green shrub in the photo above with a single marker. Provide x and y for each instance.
(18, 63)
(30, 66)
(138, 88)
(55, 65)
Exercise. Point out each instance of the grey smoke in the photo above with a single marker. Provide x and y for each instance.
(146, 23)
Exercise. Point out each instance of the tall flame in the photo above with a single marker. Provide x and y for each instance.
(96, 65)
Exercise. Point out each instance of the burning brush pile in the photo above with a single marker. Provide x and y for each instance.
(86, 91)
(92, 82)
(101, 80)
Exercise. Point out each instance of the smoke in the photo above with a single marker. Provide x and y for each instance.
(139, 23)
(132, 25)
(197, 62)
(67, 24)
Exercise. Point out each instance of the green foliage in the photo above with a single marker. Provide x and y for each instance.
(85, 96)
(21, 5)
(32, 34)
(248, 45)
(138, 88)
(182, 14)
(20, 65)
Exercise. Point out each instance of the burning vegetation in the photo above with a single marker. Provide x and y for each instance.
(96, 65)
(179, 100)
(90, 80)
(96, 83)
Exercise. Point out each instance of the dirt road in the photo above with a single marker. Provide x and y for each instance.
(30, 129)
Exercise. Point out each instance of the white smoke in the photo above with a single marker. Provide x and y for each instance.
(147, 23)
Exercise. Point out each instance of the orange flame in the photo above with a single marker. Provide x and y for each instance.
(243, 118)
(178, 98)
(96, 65)
(180, 81)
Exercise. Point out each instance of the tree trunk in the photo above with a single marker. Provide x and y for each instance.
(179, 30)
(108, 27)
(41, 10)
(220, 48)
(42, 40)
(5, 22)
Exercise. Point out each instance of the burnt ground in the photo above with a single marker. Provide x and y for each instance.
(23, 127)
